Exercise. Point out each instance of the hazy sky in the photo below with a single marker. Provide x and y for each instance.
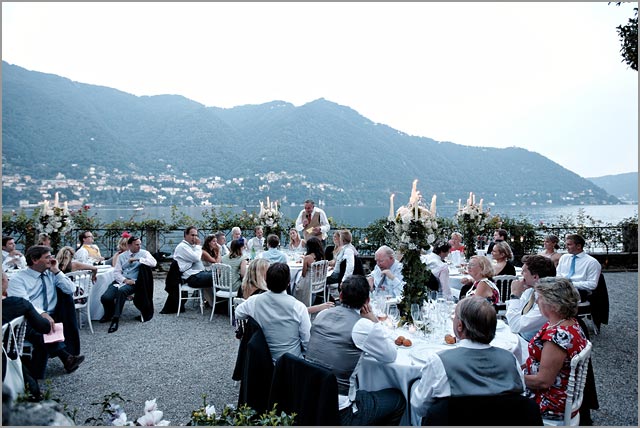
(547, 77)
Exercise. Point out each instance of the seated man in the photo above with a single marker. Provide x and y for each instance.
(387, 275)
(222, 242)
(499, 235)
(578, 266)
(273, 254)
(474, 367)
(188, 254)
(126, 280)
(255, 245)
(11, 258)
(284, 320)
(339, 337)
(523, 314)
(88, 251)
(38, 284)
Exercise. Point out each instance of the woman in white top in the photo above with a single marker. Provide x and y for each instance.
(295, 243)
(550, 249)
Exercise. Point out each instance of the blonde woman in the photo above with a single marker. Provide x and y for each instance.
(122, 247)
(295, 242)
(481, 273)
(254, 281)
(551, 249)
(332, 253)
(502, 255)
(66, 263)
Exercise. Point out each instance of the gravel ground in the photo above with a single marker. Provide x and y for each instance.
(177, 360)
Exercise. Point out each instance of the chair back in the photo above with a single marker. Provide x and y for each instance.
(503, 282)
(308, 389)
(221, 276)
(575, 386)
(318, 274)
(17, 328)
(474, 410)
(83, 283)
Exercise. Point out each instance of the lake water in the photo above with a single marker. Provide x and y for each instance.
(363, 216)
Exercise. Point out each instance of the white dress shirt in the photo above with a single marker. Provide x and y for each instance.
(257, 243)
(12, 262)
(188, 258)
(28, 285)
(324, 222)
(587, 271)
(392, 286)
(127, 270)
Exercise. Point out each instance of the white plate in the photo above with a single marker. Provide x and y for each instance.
(421, 351)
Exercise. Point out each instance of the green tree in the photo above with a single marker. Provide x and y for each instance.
(629, 40)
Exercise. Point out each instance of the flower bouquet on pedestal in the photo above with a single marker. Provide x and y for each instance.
(54, 221)
(270, 217)
(471, 219)
(410, 230)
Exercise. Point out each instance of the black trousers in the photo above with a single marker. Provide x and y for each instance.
(114, 299)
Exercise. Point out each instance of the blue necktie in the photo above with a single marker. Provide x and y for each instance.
(572, 268)
(45, 305)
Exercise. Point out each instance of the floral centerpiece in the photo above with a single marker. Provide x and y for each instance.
(54, 221)
(269, 216)
(471, 219)
(411, 229)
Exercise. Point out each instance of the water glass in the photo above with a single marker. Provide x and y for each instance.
(394, 314)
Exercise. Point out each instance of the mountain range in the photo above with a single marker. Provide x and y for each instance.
(55, 127)
(622, 186)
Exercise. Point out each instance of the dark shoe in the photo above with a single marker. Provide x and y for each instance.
(113, 327)
(139, 318)
(73, 362)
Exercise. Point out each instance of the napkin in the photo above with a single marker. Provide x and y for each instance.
(56, 335)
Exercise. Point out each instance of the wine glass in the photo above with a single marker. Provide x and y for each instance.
(416, 315)
(394, 314)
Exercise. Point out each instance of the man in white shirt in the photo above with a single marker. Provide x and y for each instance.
(387, 275)
(88, 252)
(523, 314)
(126, 280)
(222, 243)
(473, 367)
(255, 245)
(578, 266)
(188, 254)
(11, 258)
(312, 221)
(339, 337)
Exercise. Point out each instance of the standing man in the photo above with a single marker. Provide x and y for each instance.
(312, 221)
(127, 280)
(339, 336)
(11, 258)
(578, 266)
(523, 314)
(474, 367)
(255, 245)
(188, 255)
(387, 275)
(39, 284)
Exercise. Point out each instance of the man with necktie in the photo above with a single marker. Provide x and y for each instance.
(523, 315)
(50, 292)
(578, 266)
(312, 221)
(387, 275)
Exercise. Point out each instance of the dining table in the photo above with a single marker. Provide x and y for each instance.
(104, 279)
(374, 375)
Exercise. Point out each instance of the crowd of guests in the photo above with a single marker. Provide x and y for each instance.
(541, 310)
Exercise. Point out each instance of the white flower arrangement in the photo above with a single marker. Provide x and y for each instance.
(413, 226)
(471, 219)
(269, 214)
(54, 220)
(151, 417)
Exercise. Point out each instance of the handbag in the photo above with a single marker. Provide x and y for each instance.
(13, 377)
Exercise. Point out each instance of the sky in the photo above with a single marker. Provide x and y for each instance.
(546, 77)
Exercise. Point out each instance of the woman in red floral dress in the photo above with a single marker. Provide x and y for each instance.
(552, 348)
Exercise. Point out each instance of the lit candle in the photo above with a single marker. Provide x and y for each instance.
(268, 203)
(414, 192)
(261, 207)
(416, 210)
(66, 206)
(473, 199)
(469, 200)
(391, 210)
(433, 205)
(55, 200)
(480, 205)
(459, 204)
(275, 204)
(45, 207)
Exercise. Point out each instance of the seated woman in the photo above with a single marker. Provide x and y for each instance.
(295, 242)
(547, 369)
(66, 263)
(551, 249)
(210, 252)
(238, 263)
(88, 252)
(283, 319)
(456, 242)
(439, 268)
(254, 281)
(303, 288)
(122, 247)
(332, 251)
(481, 271)
(502, 254)
(347, 254)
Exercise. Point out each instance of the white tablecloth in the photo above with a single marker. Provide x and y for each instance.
(105, 278)
(401, 373)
